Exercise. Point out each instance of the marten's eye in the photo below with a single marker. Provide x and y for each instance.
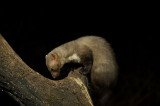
(52, 69)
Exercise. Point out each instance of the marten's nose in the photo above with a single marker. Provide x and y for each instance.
(55, 74)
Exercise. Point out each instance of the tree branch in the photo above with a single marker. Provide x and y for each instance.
(30, 88)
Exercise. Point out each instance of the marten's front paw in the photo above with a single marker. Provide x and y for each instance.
(83, 71)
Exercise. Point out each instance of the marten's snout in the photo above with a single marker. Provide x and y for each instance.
(55, 74)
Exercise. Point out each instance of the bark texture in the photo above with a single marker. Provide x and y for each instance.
(30, 88)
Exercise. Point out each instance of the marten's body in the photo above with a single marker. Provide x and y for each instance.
(96, 56)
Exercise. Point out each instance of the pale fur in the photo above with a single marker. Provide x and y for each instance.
(74, 57)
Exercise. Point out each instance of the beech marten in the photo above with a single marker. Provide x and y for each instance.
(97, 58)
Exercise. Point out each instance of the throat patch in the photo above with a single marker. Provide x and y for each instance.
(74, 57)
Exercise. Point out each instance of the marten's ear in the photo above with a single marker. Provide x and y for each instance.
(54, 56)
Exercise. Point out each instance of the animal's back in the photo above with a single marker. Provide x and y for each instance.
(101, 49)
(104, 63)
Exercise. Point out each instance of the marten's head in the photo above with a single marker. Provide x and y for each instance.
(53, 63)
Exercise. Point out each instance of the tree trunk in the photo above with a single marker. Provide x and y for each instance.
(30, 88)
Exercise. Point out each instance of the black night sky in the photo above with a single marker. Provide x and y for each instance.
(34, 31)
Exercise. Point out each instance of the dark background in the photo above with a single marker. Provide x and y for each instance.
(34, 31)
